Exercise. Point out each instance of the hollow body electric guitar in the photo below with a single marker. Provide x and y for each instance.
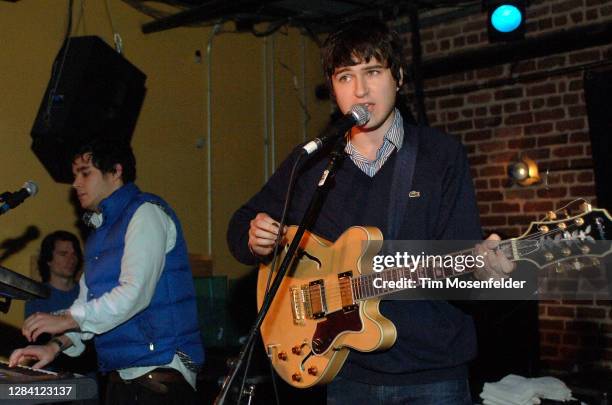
(327, 305)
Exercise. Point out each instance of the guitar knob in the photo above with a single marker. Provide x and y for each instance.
(316, 343)
(577, 265)
(543, 228)
(282, 356)
(551, 216)
(585, 249)
(297, 350)
(559, 268)
(312, 370)
(549, 256)
(297, 377)
(579, 221)
(566, 251)
(562, 226)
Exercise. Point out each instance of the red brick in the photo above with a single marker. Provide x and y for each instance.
(510, 107)
(495, 109)
(552, 338)
(493, 220)
(473, 26)
(492, 171)
(551, 61)
(537, 129)
(480, 183)
(491, 146)
(473, 39)
(570, 125)
(571, 98)
(552, 140)
(521, 219)
(577, 17)
(481, 123)
(545, 24)
(542, 89)
(553, 101)
(489, 196)
(552, 192)
(568, 178)
(518, 119)
(524, 66)
(444, 45)
(549, 351)
(566, 6)
(481, 135)
(575, 85)
(550, 115)
(431, 47)
(549, 324)
(565, 151)
(520, 193)
(585, 56)
(583, 326)
(451, 102)
(577, 111)
(565, 312)
(582, 163)
(480, 111)
(503, 132)
(494, 183)
(452, 116)
(502, 207)
(514, 92)
(491, 72)
(560, 21)
(578, 191)
(538, 103)
(446, 32)
(592, 313)
(585, 177)
(570, 339)
(524, 143)
(480, 98)
(538, 10)
(477, 160)
(459, 126)
(537, 206)
(483, 208)
(502, 157)
(468, 113)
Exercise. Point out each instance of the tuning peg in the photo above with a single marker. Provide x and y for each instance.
(576, 265)
(586, 207)
(565, 213)
(585, 249)
(549, 256)
(551, 215)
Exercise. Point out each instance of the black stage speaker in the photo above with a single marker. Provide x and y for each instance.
(597, 88)
(93, 92)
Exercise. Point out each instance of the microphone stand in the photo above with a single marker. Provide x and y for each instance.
(310, 215)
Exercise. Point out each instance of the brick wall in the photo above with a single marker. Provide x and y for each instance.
(545, 119)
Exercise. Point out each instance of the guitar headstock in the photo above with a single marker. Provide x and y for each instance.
(564, 236)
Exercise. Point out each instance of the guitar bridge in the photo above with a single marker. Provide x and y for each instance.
(297, 305)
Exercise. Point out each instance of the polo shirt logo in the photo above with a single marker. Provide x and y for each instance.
(414, 194)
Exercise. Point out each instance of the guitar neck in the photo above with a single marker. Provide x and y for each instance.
(429, 267)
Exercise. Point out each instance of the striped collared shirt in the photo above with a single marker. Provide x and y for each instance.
(393, 140)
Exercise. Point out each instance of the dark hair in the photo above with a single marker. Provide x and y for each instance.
(360, 40)
(106, 153)
(48, 246)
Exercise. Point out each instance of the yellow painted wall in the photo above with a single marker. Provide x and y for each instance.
(172, 120)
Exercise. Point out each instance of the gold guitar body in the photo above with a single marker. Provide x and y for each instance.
(314, 319)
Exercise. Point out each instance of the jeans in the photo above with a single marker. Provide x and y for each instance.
(454, 392)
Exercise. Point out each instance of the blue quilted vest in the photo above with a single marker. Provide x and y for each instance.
(170, 322)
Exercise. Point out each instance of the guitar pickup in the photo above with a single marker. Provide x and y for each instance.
(315, 303)
(346, 291)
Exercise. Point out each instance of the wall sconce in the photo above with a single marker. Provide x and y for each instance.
(525, 172)
(506, 20)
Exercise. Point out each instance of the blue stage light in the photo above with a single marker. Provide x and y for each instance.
(506, 18)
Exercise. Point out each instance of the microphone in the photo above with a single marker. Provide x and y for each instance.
(358, 115)
(11, 200)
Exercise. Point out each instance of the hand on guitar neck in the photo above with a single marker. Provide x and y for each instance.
(497, 265)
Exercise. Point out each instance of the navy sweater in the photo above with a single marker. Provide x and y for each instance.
(435, 339)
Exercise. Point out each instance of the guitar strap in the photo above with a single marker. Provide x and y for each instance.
(401, 183)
